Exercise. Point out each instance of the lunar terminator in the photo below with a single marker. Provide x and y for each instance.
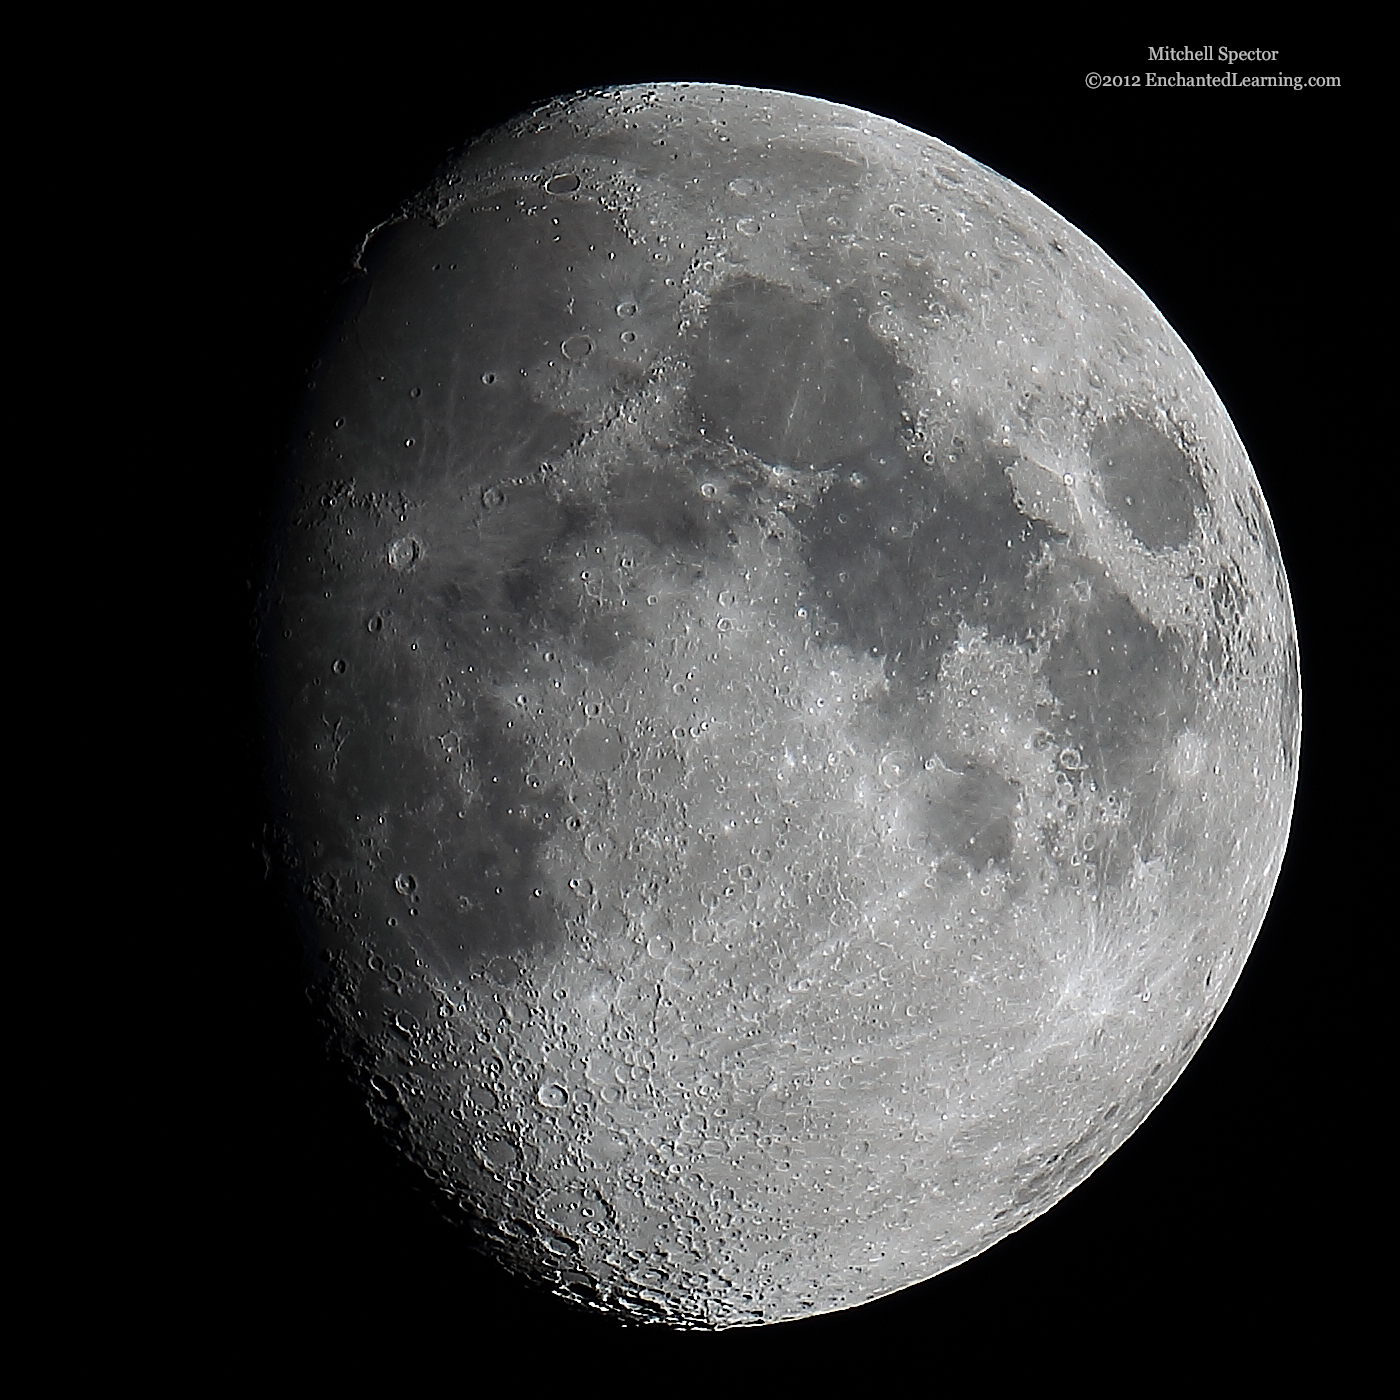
(786, 696)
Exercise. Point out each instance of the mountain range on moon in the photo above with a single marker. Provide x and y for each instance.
(786, 694)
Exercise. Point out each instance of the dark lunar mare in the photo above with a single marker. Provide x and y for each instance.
(910, 539)
(583, 357)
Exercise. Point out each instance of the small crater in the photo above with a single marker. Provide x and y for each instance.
(896, 768)
(565, 182)
(405, 553)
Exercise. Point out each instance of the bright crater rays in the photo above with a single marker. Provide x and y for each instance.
(786, 704)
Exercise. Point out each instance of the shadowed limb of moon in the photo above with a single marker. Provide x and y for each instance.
(787, 700)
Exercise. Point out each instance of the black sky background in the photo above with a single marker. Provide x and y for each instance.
(291, 1242)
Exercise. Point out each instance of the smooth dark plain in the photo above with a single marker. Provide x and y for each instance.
(787, 700)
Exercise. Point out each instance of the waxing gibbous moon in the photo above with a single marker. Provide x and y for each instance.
(784, 696)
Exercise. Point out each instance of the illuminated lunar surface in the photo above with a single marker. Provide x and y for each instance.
(785, 696)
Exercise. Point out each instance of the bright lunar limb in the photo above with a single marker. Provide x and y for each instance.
(785, 699)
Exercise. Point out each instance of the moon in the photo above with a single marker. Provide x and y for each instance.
(786, 700)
